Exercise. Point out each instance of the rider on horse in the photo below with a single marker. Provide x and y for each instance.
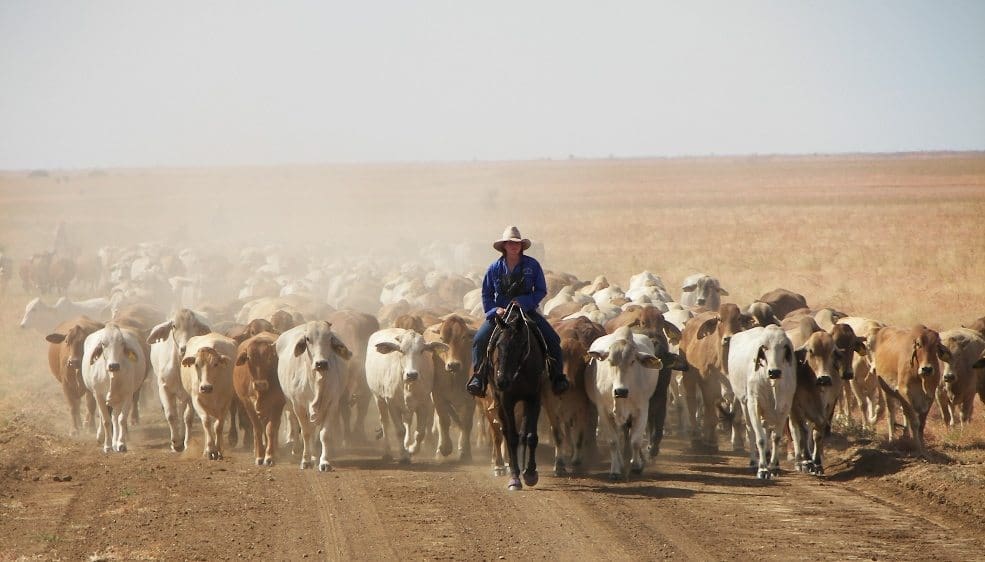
(514, 277)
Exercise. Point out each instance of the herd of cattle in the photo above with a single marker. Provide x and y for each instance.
(273, 335)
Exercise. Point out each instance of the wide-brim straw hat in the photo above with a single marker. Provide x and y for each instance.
(511, 234)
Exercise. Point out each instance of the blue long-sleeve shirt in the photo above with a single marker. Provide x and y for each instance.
(496, 279)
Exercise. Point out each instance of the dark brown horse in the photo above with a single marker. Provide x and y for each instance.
(518, 371)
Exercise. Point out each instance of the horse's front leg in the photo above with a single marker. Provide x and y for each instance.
(507, 419)
(530, 418)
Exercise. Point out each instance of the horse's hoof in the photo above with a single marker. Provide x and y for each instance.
(325, 467)
(514, 484)
(499, 471)
(531, 478)
(764, 474)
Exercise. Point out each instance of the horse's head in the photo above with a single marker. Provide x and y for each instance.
(512, 348)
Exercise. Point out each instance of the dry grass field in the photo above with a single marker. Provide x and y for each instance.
(899, 238)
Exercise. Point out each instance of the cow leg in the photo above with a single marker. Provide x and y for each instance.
(967, 407)
(169, 402)
(613, 435)
(90, 419)
(711, 396)
(307, 438)
(658, 411)
(234, 408)
(189, 419)
(798, 434)
(400, 431)
(105, 431)
(385, 428)
(258, 433)
(760, 440)
(689, 382)
(324, 435)
(892, 406)
(135, 409)
(945, 406)
(637, 433)
(73, 407)
(777, 436)
(218, 423)
(442, 410)
(425, 422)
(465, 424)
(273, 430)
(817, 468)
(750, 437)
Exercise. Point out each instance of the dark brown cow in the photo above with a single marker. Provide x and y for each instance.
(704, 347)
(354, 329)
(783, 301)
(65, 362)
(61, 272)
(242, 332)
(452, 367)
(650, 322)
(908, 365)
(824, 365)
(572, 415)
(258, 389)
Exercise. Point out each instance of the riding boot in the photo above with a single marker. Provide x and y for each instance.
(476, 386)
(559, 382)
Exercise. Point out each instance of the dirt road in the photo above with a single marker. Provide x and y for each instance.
(153, 504)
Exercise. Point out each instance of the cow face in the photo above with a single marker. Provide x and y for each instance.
(818, 356)
(705, 291)
(455, 334)
(260, 358)
(625, 360)
(927, 351)
(208, 364)
(411, 348)
(111, 347)
(847, 344)
(321, 345)
(185, 325)
(777, 356)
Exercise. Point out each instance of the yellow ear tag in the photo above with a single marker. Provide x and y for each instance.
(131, 356)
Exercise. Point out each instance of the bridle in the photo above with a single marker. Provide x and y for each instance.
(513, 310)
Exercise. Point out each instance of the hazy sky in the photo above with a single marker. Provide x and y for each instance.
(106, 84)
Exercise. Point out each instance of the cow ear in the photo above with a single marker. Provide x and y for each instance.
(673, 333)
(979, 364)
(649, 361)
(300, 347)
(801, 354)
(722, 292)
(689, 288)
(747, 321)
(943, 353)
(436, 346)
(708, 327)
(55, 338)
(340, 349)
(761, 357)
(674, 361)
(598, 355)
(188, 361)
(96, 353)
(160, 332)
(241, 358)
(860, 346)
(385, 347)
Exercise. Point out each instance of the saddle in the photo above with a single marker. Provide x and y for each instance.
(534, 330)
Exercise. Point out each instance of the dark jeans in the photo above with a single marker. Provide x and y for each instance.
(481, 341)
